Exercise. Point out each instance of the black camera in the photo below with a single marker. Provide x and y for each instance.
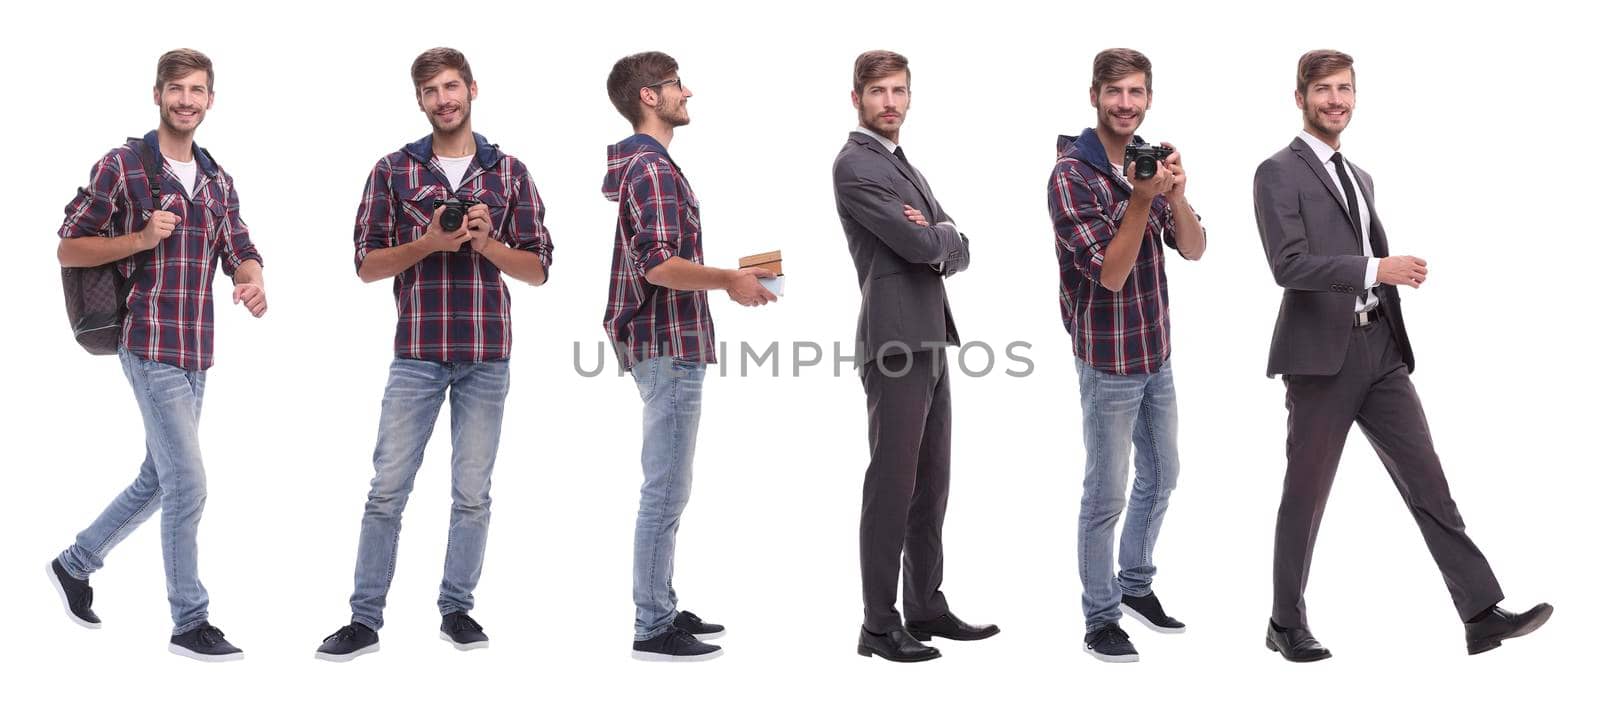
(1144, 157)
(455, 214)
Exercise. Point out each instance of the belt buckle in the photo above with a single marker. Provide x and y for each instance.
(1365, 317)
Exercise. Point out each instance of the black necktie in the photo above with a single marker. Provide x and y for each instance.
(900, 152)
(1351, 205)
(1350, 202)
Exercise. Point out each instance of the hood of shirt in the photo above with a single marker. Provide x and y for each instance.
(620, 156)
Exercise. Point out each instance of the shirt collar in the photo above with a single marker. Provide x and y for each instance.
(202, 159)
(888, 145)
(1323, 151)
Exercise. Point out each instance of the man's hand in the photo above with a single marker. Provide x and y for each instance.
(436, 238)
(915, 217)
(1180, 178)
(253, 296)
(1402, 271)
(1148, 188)
(157, 229)
(478, 226)
(745, 290)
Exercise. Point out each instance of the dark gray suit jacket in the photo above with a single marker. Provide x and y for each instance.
(1315, 253)
(903, 302)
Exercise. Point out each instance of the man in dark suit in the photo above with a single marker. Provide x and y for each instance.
(1341, 346)
(904, 246)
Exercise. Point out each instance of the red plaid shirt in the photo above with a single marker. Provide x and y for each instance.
(658, 217)
(453, 306)
(169, 304)
(1123, 332)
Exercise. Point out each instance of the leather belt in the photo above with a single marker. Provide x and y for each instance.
(1367, 317)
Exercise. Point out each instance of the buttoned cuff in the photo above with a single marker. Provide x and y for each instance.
(1372, 272)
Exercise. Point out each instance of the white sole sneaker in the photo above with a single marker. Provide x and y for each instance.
(1136, 615)
(463, 646)
(659, 657)
(1110, 658)
(182, 651)
(61, 593)
(330, 657)
(710, 636)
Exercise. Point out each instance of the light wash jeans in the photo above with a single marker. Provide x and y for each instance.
(172, 479)
(411, 402)
(671, 392)
(1119, 413)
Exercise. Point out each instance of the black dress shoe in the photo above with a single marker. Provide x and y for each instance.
(895, 646)
(1296, 644)
(949, 626)
(1500, 624)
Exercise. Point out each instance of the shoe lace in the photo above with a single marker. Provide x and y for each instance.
(464, 621)
(1111, 633)
(210, 635)
(682, 639)
(690, 617)
(345, 633)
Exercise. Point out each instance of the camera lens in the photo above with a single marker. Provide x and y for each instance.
(1144, 167)
(450, 221)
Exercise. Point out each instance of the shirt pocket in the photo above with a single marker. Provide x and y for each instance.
(416, 212)
(499, 216)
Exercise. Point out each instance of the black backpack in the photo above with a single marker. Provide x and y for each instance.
(97, 297)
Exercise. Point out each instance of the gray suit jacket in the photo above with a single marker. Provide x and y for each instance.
(1315, 254)
(903, 302)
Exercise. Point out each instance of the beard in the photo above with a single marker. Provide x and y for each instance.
(1315, 119)
(171, 123)
(676, 115)
(1108, 125)
(466, 116)
(878, 125)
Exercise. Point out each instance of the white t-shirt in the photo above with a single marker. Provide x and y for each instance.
(455, 169)
(185, 173)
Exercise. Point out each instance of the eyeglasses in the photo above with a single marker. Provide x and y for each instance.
(663, 84)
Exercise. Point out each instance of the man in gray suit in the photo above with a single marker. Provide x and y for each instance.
(1341, 346)
(904, 246)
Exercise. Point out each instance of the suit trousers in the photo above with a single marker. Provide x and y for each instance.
(1372, 389)
(907, 486)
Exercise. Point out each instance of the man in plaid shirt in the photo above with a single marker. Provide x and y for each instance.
(659, 322)
(170, 252)
(453, 336)
(1110, 229)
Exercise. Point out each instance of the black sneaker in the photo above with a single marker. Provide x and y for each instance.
(697, 627)
(675, 645)
(1110, 644)
(75, 595)
(1147, 610)
(348, 643)
(460, 630)
(205, 644)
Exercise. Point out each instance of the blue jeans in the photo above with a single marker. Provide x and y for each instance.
(671, 392)
(172, 478)
(1121, 412)
(411, 402)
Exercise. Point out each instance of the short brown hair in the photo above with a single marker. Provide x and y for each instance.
(634, 72)
(1112, 65)
(434, 61)
(878, 63)
(1322, 63)
(179, 63)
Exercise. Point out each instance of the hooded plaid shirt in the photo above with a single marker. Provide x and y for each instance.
(453, 306)
(169, 303)
(1122, 332)
(658, 217)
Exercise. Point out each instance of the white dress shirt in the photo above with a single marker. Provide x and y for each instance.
(1324, 152)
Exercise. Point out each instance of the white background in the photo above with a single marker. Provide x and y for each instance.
(1474, 119)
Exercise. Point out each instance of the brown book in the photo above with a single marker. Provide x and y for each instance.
(771, 260)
